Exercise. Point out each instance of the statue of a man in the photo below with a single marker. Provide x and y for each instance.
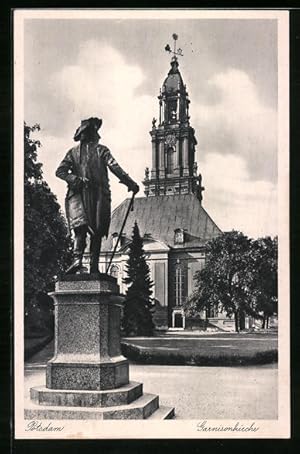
(88, 200)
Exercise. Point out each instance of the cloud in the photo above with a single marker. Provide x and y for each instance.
(101, 83)
(236, 134)
(234, 200)
(237, 122)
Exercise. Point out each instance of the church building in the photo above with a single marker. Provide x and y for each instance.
(171, 218)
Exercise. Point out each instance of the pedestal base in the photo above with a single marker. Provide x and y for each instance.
(75, 398)
(146, 406)
(88, 378)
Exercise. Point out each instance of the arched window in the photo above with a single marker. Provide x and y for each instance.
(179, 236)
(170, 160)
(172, 110)
(114, 271)
(178, 284)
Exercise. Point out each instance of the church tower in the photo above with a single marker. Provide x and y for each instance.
(174, 169)
(172, 221)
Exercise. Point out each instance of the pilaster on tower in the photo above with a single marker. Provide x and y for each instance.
(174, 170)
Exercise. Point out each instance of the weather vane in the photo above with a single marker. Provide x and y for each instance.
(174, 52)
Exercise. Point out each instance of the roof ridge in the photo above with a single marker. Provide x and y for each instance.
(118, 206)
(210, 218)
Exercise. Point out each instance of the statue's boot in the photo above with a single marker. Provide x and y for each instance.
(76, 264)
(79, 246)
(94, 253)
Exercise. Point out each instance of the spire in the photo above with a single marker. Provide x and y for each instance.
(173, 139)
(175, 52)
(174, 102)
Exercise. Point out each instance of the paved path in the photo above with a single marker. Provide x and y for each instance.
(201, 339)
(203, 392)
(213, 392)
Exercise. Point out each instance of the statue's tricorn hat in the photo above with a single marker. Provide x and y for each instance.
(90, 122)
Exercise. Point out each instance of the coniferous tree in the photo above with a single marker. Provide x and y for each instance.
(137, 317)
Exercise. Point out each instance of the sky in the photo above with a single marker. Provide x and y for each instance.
(113, 69)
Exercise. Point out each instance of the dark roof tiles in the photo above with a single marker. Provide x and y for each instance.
(161, 215)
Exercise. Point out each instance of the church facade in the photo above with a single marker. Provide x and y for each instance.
(172, 220)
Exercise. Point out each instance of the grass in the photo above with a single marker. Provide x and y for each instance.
(228, 350)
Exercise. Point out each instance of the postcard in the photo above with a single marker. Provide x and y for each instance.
(151, 223)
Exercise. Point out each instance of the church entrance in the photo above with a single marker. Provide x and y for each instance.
(178, 319)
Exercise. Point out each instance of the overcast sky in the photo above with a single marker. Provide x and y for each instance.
(113, 69)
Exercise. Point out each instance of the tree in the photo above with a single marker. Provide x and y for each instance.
(46, 243)
(224, 281)
(263, 269)
(137, 317)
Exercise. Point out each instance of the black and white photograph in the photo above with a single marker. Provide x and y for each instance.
(151, 232)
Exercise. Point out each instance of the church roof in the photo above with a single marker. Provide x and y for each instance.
(159, 216)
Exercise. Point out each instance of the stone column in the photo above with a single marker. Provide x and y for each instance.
(185, 156)
(154, 160)
(178, 108)
(160, 103)
(177, 158)
(161, 154)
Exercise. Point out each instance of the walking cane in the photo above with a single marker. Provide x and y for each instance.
(130, 208)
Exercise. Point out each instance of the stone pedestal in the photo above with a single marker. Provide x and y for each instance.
(88, 377)
(87, 336)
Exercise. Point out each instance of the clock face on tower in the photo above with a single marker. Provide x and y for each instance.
(171, 140)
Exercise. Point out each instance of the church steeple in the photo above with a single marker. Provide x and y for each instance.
(174, 170)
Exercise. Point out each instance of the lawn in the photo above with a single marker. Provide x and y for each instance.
(216, 350)
(229, 349)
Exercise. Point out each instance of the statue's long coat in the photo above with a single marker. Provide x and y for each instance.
(90, 205)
